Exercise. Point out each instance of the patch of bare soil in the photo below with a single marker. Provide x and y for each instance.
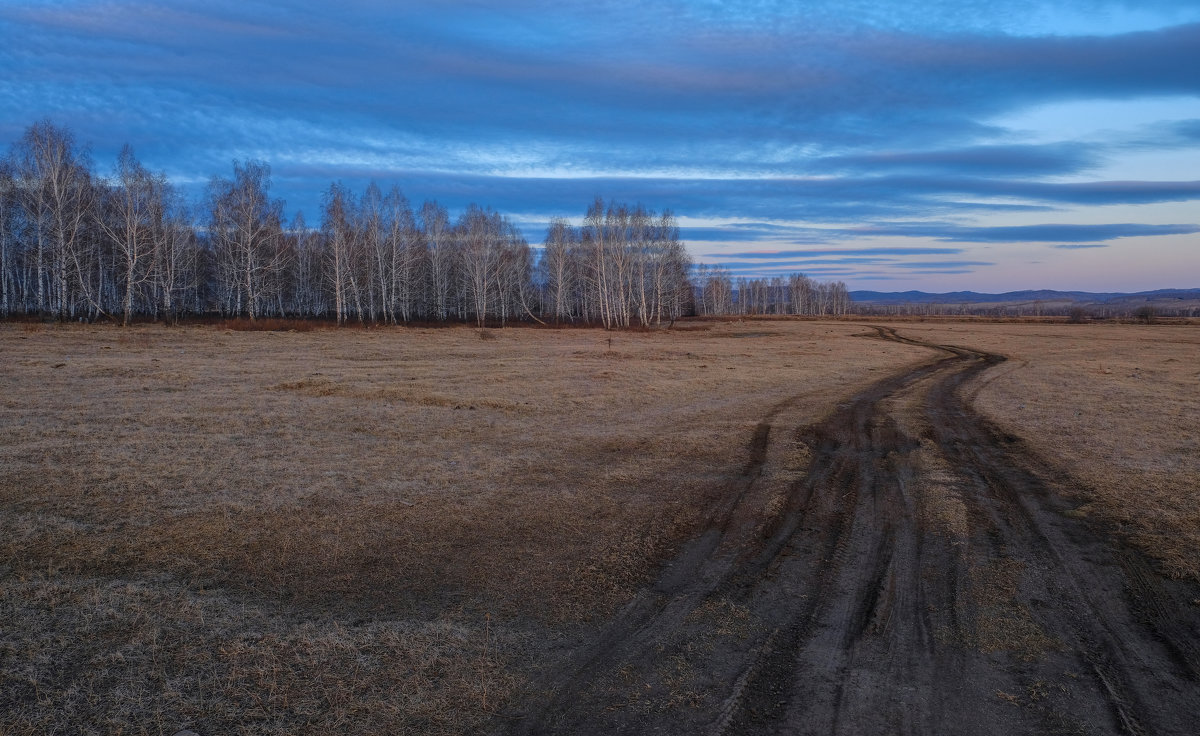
(926, 575)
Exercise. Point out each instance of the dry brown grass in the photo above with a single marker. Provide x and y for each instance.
(357, 531)
(1117, 406)
(274, 324)
(389, 530)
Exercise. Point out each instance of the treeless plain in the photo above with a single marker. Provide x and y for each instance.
(396, 529)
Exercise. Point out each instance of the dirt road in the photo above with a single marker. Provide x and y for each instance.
(928, 574)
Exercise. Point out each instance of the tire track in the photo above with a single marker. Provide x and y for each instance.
(850, 612)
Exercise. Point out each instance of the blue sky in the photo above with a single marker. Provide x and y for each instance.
(943, 146)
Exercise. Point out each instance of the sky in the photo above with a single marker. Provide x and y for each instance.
(941, 145)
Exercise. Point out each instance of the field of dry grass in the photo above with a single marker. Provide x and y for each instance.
(357, 531)
(393, 530)
(1116, 406)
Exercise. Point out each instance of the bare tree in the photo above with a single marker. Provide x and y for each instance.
(58, 196)
(671, 266)
(479, 234)
(718, 291)
(8, 219)
(622, 265)
(594, 237)
(245, 226)
(404, 253)
(304, 273)
(339, 239)
(129, 245)
(556, 271)
(176, 255)
(800, 288)
(438, 246)
(131, 209)
(619, 263)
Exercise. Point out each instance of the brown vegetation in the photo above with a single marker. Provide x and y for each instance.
(393, 530)
(356, 531)
(272, 324)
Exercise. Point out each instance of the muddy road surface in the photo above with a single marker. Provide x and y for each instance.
(928, 574)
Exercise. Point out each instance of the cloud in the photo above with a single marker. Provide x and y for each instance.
(993, 160)
(753, 232)
(1064, 235)
(831, 200)
(835, 252)
(558, 89)
(844, 262)
(1188, 130)
(1093, 193)
(823, 274)
(1034, 233)
(941, 272)
(824, 122)
(942, 265)
(838, 266)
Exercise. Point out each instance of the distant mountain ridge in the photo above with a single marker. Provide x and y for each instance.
(1023, 297)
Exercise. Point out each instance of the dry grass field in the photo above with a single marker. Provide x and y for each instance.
(395, 530)
(359, 531)
(1116, 406)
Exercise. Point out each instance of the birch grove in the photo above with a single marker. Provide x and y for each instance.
(77, 245)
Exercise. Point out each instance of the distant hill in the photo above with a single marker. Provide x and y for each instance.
(1048, 301)
(975, 297)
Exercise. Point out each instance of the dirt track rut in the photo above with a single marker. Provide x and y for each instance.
(926, 576)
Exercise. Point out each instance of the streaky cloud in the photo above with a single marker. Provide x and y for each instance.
(993, 160)
(806, 264)
(1035, 233)
(1188, 130)
(833, 252)
(941, 272)
(810, 124)
(941, 265)
(838, 199)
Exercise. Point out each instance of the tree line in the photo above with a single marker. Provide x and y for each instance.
(75, 245)
(717, 292)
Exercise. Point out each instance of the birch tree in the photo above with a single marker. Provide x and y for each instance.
(8, 236)
(479, 232)
(58, 195)
(245, 225)
(132, 203)
(594, 237)
(556, 271)
(176, 257)
(404, 253)
(439, 257)
(337, 228)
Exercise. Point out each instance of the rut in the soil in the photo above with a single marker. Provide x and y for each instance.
(921, 578)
